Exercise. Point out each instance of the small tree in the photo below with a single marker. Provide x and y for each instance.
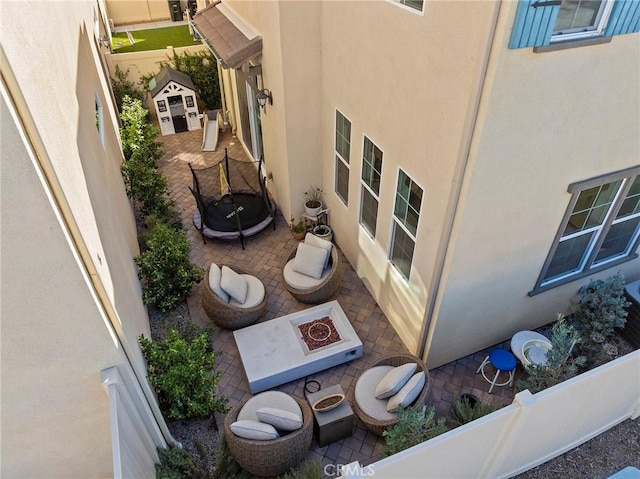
(559, 365)
(165, 269)
(181, 372)
(414, 426)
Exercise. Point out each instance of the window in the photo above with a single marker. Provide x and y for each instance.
(99, 118)
(343, 157)
(414, 4)
(542, 23)
(600, 229)
(581, 19)
(406, 214)
(370, 185)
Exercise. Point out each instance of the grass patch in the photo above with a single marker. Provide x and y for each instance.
(153, 39)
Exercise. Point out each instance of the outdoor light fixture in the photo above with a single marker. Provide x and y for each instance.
(262, 96)
(104, 41)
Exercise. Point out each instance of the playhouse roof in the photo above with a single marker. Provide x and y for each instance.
(167, 75)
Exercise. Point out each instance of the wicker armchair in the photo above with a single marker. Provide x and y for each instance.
(378, 426)
(323, 291)
(227, 315)
(273, 457)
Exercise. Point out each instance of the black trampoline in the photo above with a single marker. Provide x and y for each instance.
(232, 200)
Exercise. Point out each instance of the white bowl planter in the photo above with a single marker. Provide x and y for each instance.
(323, 231)
(313, 211)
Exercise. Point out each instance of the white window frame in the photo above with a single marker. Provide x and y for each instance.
(596, 31)
(395, 223)
(588, 264)
(365, 186)
(339, 158)
(404, 6)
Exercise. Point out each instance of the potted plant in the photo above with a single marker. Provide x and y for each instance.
(297, 229)
(323, 231)
(313, 201)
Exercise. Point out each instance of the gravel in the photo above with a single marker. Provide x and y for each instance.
(199, 436)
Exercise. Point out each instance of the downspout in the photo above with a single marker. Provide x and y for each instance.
(462, 170)
(72, 231)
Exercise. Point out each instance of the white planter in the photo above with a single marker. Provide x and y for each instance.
(317, 231)
(313, 212)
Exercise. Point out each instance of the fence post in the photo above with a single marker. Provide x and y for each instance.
(524, 400)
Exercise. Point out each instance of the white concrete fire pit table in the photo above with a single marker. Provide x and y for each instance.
(274, 352)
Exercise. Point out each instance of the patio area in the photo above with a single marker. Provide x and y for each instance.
(263, 257)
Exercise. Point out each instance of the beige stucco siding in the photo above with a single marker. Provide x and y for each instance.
(67, 251)
(124, 12)
(63, 85)
(55, 414)
(407, 83)
(547, 120)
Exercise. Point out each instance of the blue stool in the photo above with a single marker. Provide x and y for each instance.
(502, 361)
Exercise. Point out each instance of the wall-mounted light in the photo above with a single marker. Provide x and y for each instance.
(105, 41)
(262, 96)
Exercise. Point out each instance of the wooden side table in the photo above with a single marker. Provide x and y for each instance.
(333, 425)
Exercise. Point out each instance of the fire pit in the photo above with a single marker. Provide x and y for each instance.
(296, 345)
(319, 333)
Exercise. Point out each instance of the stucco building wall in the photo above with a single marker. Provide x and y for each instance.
(137, 11)
(71, 299)
(547, 120)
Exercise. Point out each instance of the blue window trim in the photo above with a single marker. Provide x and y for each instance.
(534, 21)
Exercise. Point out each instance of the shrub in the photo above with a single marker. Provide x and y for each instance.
(463, 411)
(165, 269)
(414, 426)
(559, 365)
(226, 466)
(147, 185)
(137, 134)
(175, 463)
(181, 373)
(306, 470)
(601, 307)
(122, 87)
(202, 68)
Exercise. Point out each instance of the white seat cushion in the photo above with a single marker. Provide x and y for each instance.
(255, 293)
(302, 281)
(279, 418)
(310, 260)
(273, 399)
(408, 393)
(313, 240)
(234, 284)
(394, 380)
(214, 282)
(364, 393)
(258, 431)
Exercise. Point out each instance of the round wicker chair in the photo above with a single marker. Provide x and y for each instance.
(379, 426)
(273, 457)
(323, 291)
(226, 315)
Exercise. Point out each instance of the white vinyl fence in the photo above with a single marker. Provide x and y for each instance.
(532, 430)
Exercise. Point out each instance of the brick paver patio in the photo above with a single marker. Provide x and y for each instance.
(263, 257)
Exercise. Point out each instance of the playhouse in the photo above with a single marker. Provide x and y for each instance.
(174, 97)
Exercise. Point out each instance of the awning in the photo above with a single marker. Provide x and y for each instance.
(228, 43)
